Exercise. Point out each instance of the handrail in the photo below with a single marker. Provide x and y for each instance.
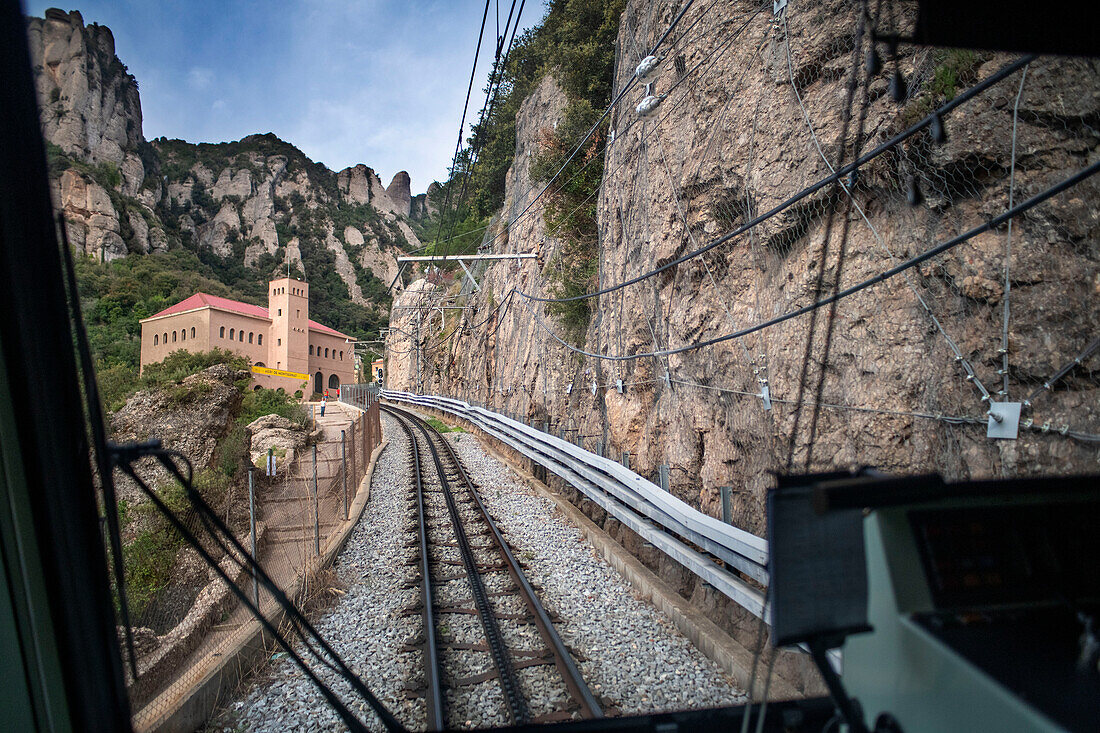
(686, 535)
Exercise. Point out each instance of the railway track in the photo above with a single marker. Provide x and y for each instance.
(466, 569)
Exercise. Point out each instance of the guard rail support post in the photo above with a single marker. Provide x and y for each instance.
(344, 470)
(662, 476)
(316, 506)
(626, 460)
(727, 511)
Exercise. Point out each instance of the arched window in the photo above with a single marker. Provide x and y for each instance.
(250, 335)
(260, 364)
(165, 337)
(240, 336)
(183, 335)
(232, 333)
(221, 332)
(260, 339)
(326, 352)
(156, 339)
(192, 332)
(341, 354)
(173, 337)
(333, 382)
(311, 349)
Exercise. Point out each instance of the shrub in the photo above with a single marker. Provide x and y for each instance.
(271, 402)
(180, 364)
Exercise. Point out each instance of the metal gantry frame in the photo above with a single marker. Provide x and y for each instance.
(461, 260)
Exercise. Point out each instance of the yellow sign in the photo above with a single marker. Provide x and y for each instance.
(280, 373)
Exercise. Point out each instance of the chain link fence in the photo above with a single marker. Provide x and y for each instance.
(187, 583)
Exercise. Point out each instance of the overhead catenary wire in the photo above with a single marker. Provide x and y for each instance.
(496, 76)
(603, 116)
(462, 123)
(830, 314)
(710, 57)
(912, 262)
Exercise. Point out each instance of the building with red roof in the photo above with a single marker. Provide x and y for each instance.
(286, 348)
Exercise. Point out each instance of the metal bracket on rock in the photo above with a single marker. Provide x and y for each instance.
(778, 6)
(1004, 420)
(766, 395)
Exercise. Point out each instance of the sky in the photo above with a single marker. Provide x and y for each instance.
(380, 82)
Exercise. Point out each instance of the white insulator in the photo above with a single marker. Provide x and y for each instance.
(646, 68)
(646, 106)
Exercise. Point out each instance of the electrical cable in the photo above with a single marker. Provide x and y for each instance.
(842, 248)
(1048, 384)
(614, 102)
(971, 375)
(1008, 237)
(496, 76)
(1006, 71)
(462, 123)
(907, 264)
(711, 57)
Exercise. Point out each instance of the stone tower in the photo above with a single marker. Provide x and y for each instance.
(288, 308)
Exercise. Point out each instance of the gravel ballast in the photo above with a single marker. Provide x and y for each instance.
(629, 653)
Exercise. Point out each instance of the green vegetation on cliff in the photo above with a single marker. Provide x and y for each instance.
(576, 44)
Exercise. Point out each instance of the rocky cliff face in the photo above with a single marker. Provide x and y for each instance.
(890, 384)
(899, 381)
(257, 203)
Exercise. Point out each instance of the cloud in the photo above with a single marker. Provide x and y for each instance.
(200, 78)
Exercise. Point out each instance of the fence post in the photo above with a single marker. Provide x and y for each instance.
(626, 459)
(344, 470)
(354, 458)
(252, 525)
(727, 511)
(316, 515)
(662, 475)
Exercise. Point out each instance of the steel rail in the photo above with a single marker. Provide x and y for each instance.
(563, 660)
(498, 649)
(434, 693)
